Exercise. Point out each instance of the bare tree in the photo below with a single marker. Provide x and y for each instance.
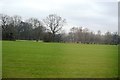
(34, 22)
(16, 20)
(98, 37)
(54, 23)
(73, 34)
(4, 21)
(108, 37)
(38, 28)
(6, 26)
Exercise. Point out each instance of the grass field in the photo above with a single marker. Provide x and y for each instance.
(27, 59)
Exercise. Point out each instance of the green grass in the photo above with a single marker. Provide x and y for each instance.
(29, 59)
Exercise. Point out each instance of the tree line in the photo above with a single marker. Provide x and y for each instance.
(50, 30)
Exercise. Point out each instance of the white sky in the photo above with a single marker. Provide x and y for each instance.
(92, 14)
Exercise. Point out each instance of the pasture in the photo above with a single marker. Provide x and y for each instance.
(28, 59)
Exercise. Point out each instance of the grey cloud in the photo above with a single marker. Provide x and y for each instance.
(95, 15)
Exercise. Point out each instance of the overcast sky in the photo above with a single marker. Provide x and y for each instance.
(92, 14)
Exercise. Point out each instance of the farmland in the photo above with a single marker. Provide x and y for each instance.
(29, 59)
